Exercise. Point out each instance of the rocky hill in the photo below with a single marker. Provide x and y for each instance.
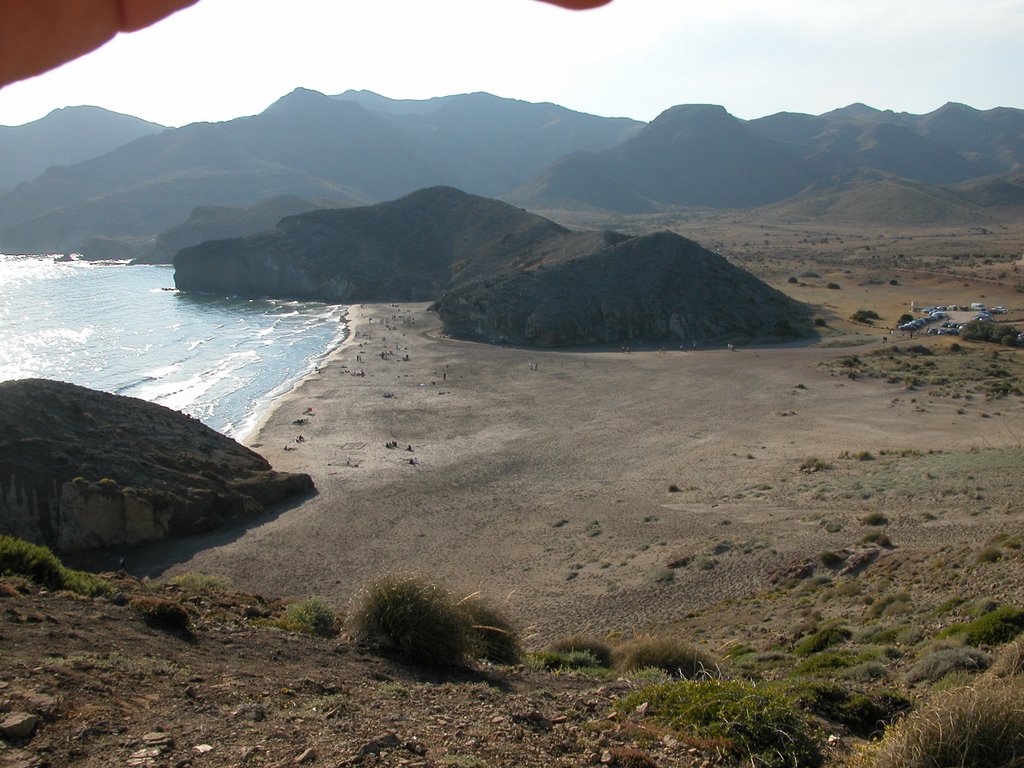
(81, 469)
(498, 273)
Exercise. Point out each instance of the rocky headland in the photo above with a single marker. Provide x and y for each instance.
(81, 469)
(499, 273)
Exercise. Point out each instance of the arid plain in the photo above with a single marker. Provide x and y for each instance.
(614, 491)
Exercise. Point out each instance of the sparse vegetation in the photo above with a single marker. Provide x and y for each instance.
(676, 657)
(415, 618)
(993, 628)
(863, 714)
(494, 636)
(309, 617)
(755, 723)
(600, 650)
(162, 613)
(945, 659)
(825, 637)
(42, 566)
(814, 464)
(866, 316)
(199, 582)
(980, 726)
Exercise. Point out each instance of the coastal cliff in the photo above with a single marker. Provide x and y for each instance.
(81, 469)
(497, 272)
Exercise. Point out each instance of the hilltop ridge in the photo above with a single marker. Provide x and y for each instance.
(498, 273)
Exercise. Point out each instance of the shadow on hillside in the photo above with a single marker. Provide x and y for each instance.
(811, 338)
(154, 558)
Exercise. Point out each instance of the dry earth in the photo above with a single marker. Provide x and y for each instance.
(599, 491)
(542, 478)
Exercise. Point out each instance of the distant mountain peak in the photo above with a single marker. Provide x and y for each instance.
(297, 99)
(856, 111)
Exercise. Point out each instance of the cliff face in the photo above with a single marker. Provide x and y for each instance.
(81, 469)
(498, 272)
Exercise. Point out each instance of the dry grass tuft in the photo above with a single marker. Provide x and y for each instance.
(981, 727)
(674, 656)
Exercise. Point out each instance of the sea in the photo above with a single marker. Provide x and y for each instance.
(126, 330)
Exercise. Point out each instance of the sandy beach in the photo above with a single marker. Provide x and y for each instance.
(566, 484)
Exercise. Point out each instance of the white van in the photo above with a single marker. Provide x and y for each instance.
(977, 306)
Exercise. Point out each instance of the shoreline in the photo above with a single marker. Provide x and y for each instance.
(274, 401)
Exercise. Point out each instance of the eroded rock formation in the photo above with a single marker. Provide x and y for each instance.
(81, 469)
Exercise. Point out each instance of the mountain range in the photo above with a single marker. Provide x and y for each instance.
(359, 147)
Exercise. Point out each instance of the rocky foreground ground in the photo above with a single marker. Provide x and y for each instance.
(88, 682)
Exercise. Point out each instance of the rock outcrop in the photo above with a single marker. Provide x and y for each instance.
(498, 272)
(659, 287)
(81, 469)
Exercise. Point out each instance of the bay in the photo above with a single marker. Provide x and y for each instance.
(124, 329)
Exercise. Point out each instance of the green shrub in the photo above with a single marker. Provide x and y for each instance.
(415, 618)
(21, 558)
(38, 563)
(832, 559)
(875, 518)
(199, 582)
(864, 671)
(832, 286)
(981, 727)
(674, 656)
(826, 637)
(494, 637)
(85, 583)
(599, 649)
(863, 714)
(945, 659)
(162, 613)
(867, 316)
(759, 725)
(309, 617)
(890, 605)
(997, 333)
(823, 663)
(877, 537)
(995, 628)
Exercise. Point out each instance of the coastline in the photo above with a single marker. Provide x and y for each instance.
(542, 477)
(276, 400)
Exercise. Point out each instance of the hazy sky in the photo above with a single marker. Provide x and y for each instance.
(227, 58)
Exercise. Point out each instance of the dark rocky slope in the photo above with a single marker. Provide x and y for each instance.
(498, 272)
(81, 469)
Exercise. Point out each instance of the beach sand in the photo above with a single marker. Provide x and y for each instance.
(563, 484)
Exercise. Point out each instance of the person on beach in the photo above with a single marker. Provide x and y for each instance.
(39, 35)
